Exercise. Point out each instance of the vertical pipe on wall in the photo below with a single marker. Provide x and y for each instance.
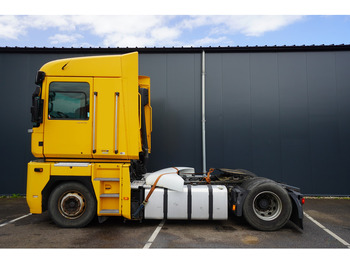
(204, 153)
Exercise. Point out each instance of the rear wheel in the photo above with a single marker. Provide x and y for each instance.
(71, 205)
(267, 206)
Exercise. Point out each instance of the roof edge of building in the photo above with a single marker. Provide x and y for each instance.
(209, 49)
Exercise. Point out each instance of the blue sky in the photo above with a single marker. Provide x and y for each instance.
(221, 28)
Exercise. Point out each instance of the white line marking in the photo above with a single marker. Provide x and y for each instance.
(328, 231)
(154, 235)
(14, 220)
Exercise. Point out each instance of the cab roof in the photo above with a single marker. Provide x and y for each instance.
(93, 66)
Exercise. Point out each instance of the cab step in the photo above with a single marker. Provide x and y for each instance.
(109, 195)
(109, 179)
(109, 211)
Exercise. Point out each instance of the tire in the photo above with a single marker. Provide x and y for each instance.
(71, 205)
(267, 206)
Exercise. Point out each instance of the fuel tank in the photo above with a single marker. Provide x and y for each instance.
(196, 202)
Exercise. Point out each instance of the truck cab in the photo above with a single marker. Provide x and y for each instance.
(91, 124)
(89, 108)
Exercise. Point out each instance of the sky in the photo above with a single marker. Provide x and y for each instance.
(96, 27)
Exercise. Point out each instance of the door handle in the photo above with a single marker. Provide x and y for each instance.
(94, 125)
(116, 123)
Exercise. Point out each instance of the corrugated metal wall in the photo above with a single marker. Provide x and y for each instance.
(283, 115)
(176, 103)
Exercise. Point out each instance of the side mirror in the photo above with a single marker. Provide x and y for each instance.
(37, 108)
(40, 76)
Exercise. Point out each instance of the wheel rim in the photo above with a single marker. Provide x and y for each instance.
(71, 205)
(267, 205)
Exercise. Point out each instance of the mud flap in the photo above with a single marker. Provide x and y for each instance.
(297, 211)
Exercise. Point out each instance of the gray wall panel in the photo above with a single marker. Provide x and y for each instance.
(154, 66)
(323, 122)
(265, 115)
(237, 125)
(214, 116)
(175, 85)
(343, 107)
(14, 144)
(293, 93)
(281, 117)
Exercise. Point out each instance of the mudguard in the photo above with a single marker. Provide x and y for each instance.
(297, 211)
(237, 197)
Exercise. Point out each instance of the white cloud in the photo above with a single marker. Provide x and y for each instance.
(129, 30)
(10, 27)
(258, 25)
(147, 30)
(64, 38)
(165, 33)
(117, 40)
(128, 25)
(44, 22)
(112, 30)
(210, 41)
(196, 21)
(247, 25)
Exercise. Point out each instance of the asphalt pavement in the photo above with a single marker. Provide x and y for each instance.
(326, 225)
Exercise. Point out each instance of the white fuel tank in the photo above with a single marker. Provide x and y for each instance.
(197, 202)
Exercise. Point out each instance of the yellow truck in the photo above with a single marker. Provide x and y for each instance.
(91, 136)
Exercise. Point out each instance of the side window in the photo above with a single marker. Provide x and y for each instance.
(69, 100)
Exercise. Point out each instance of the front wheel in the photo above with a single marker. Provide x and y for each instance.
(267, 206)
(71, 205)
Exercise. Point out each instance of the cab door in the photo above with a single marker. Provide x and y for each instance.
(108, 123)
(68, 122)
